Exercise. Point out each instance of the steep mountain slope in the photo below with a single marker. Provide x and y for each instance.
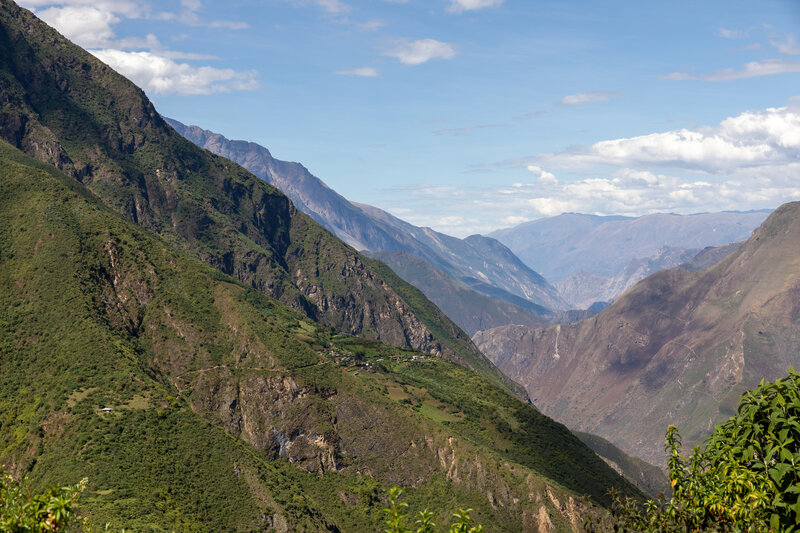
(467, 308)
(195, 403)
(649, 478)
(582, 289)
(66, 108)
(710, 256)
(678, 348)
(572, 250)
(478, 262)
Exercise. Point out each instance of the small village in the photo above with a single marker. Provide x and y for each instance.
(356, 363)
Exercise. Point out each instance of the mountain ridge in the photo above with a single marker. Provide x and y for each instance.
(677, 348)
(145, 369)
(499, 275)
(66, 108)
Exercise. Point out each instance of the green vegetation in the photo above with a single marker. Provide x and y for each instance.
(745, 478)
(397, 518)
(441, 326)
(135, 365)
(24, 511)
(171, 328)
(476, 410)
(62, 106)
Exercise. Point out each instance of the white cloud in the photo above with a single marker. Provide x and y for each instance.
(733, 34)
(788, 47)
(588, 97)
(90, 24)
(748, 161)
(514, 220)
(458, 6)
(330, 6)
(421, 51)
(367, 72)
(545, 178)
(228, 24)
(126, 8)
(626, 191)
(162, 75)
(767, 67)
(371, 25)
(751, 139)
(86, 26)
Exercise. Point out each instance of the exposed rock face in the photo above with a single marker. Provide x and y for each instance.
(678, 348)
(480, 263)
(66, 108)
(272, 414)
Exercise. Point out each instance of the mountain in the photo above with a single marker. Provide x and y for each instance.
(582, 289)
(66, 108)
(649, 478)
(710, 256)
(677, 348)
(139, 348)
(480, 263)
(572, 249)
(193, 402)
(469, 309)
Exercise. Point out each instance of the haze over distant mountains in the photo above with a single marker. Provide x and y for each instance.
(572, 249)
(595, 258)
(175, 329)
(477, 263)
(677, 348)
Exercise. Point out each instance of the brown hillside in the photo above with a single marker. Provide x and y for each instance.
(678, 348)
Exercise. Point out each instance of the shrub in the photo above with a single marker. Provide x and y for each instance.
(50, 510)
(745, 478)
(398, 513)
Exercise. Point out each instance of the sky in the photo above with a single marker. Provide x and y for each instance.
(472, 115)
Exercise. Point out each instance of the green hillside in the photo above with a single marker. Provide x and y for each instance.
(195, 403)
(64, 107)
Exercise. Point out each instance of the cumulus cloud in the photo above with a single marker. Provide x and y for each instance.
(84, 25)
(751, 139)
(767, 67)
(547, 179)
(458, 6)
(748, 161)
(588, 97)
(90, 24)
(333, 6)
(420, 51)
(366, 72)
(161, 75)
(625, 191)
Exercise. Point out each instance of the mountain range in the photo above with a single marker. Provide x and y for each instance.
(172, 327)
(479, 263)
(572, 250)
(677, 348)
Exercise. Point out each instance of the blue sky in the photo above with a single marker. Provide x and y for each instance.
(471, 115)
